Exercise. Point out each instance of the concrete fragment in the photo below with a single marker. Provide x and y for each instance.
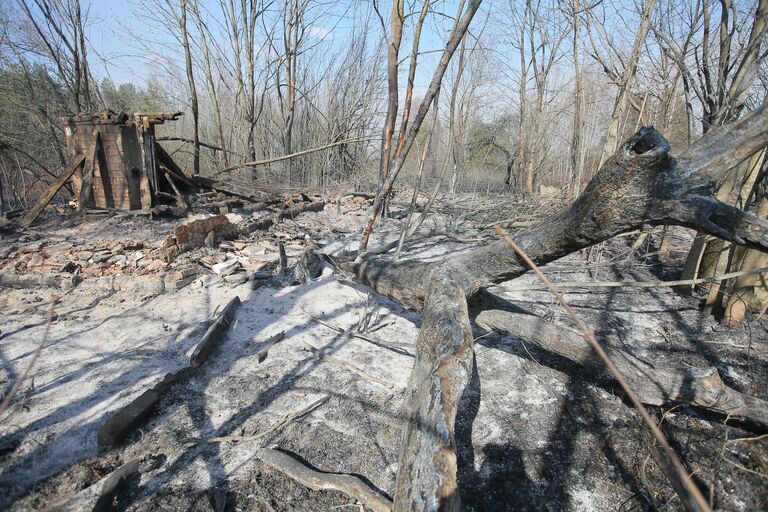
(177, 284)
(236, 279)
(226, 267)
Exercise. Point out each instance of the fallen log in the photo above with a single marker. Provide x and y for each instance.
(30, 281)
(701, 387)
(643, 183)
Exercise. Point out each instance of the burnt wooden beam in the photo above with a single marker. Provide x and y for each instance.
(52, 190)
(215, 333)
(86, 186)
(164, 158)
(127, 418)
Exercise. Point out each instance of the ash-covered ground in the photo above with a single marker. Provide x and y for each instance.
(534, 432)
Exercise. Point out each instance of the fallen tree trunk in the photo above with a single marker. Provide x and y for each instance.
(701, 387)
(641, 184)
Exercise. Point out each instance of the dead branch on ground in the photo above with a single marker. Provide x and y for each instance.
(348, 484)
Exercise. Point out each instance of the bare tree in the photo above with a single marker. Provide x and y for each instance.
(192, 86)
(459, 29)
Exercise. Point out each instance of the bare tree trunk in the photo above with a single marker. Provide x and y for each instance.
(292, 36)
(79, 29)
(522, 147)
(742, 289)
(192, 88)
(460, 26)
(630, 67)
(396, 18)
(411, 76)
(576, 137)
(452, 118)
(204, 34)
(530, 172)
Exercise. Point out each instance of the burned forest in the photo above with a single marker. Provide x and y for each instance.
(402, 256)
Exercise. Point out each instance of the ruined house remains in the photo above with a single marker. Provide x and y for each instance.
(122, 168)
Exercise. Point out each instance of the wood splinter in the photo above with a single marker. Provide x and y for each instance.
(264, 352)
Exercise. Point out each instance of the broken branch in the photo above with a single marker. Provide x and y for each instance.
(348, 484)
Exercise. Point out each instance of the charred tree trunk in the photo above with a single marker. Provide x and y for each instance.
(641, 184)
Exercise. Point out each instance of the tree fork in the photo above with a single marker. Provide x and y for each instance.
(641, 184)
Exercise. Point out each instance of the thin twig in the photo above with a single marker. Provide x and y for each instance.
(277, 426)
(359, 335)
(751, 471)
(349, 366)
(694, 500)
(20, 380)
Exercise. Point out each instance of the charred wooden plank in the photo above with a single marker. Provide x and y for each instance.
(214, 333)
(86, 187)
(164, 158)
(126, 419)
(59, 182)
